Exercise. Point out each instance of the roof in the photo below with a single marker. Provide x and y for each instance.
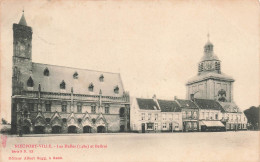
(169, 106)
(186, 104)
(23, 21)
(230, 107)
(147, 104)
(80, 85)
(210, 75)
(208, 104)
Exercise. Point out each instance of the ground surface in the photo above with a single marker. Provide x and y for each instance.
(210, 146)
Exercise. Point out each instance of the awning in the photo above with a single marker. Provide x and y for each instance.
(212, 123)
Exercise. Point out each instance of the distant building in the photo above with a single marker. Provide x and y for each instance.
(214, 86)
(152, 115)
(57, 99)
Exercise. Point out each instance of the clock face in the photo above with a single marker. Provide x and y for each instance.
(208, 66)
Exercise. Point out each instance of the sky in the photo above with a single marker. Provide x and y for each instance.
(155, 45)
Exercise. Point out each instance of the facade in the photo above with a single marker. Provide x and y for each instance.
(57, 99)
(214, 89)
(152, 115)
(189, 115)
(210, 112)
(232, 117)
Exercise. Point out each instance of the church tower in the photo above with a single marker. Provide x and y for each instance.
(210, 82)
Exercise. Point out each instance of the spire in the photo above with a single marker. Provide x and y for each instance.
(22, 20)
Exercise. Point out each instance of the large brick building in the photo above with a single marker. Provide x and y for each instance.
(57, 99)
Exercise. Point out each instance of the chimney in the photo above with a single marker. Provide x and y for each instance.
(154, 97)
(192, 97)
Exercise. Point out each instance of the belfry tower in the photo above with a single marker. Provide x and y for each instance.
(210, 82)
(22, 62)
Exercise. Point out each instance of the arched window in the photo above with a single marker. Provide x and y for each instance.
(91, 87)
(116, 89)
(101, 78)
(46, 72)
(62, 85)
(75, 75)
(122, 112)
(30, 82)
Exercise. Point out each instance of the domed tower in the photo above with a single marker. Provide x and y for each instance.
(210, 82)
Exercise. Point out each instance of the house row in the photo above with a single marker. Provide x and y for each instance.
(157, 115)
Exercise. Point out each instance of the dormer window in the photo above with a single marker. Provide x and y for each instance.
(91, 87)
(116, 89)
(30, 82)
(75, 75)
(101, 78)
(46, 72)
(63, 85)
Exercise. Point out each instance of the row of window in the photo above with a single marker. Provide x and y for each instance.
(189, 114)
(64, 108)
(172, 116)
(46, 72)
(30, 83)
(207, 115)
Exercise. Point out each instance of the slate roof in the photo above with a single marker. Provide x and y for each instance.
(186, 104)
(168, 106)
(147, 104)
(210, 75)
(230, 107)
(57, 74)
(23, 21)
(208, 104)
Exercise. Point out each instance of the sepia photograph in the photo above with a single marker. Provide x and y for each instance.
(134, 80)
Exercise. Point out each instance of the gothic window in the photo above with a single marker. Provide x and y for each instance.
(79, 108)
(93, 109)
(107, 110)
(116, 89)
(46, 72)
(48, 107)
(63, 85)
(122, 112)
(30, 82)
(91, 87)
(101, 78)
(31, 107)
(75, 75)
(64, 108)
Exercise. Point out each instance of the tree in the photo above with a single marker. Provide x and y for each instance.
(4, 121)
(252, 115)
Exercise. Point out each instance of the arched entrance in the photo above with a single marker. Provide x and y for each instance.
(72, 129)
(39, 130)
(87, 129)
(56, 129)
(101, 129)
(25, 130)
(122, 128)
